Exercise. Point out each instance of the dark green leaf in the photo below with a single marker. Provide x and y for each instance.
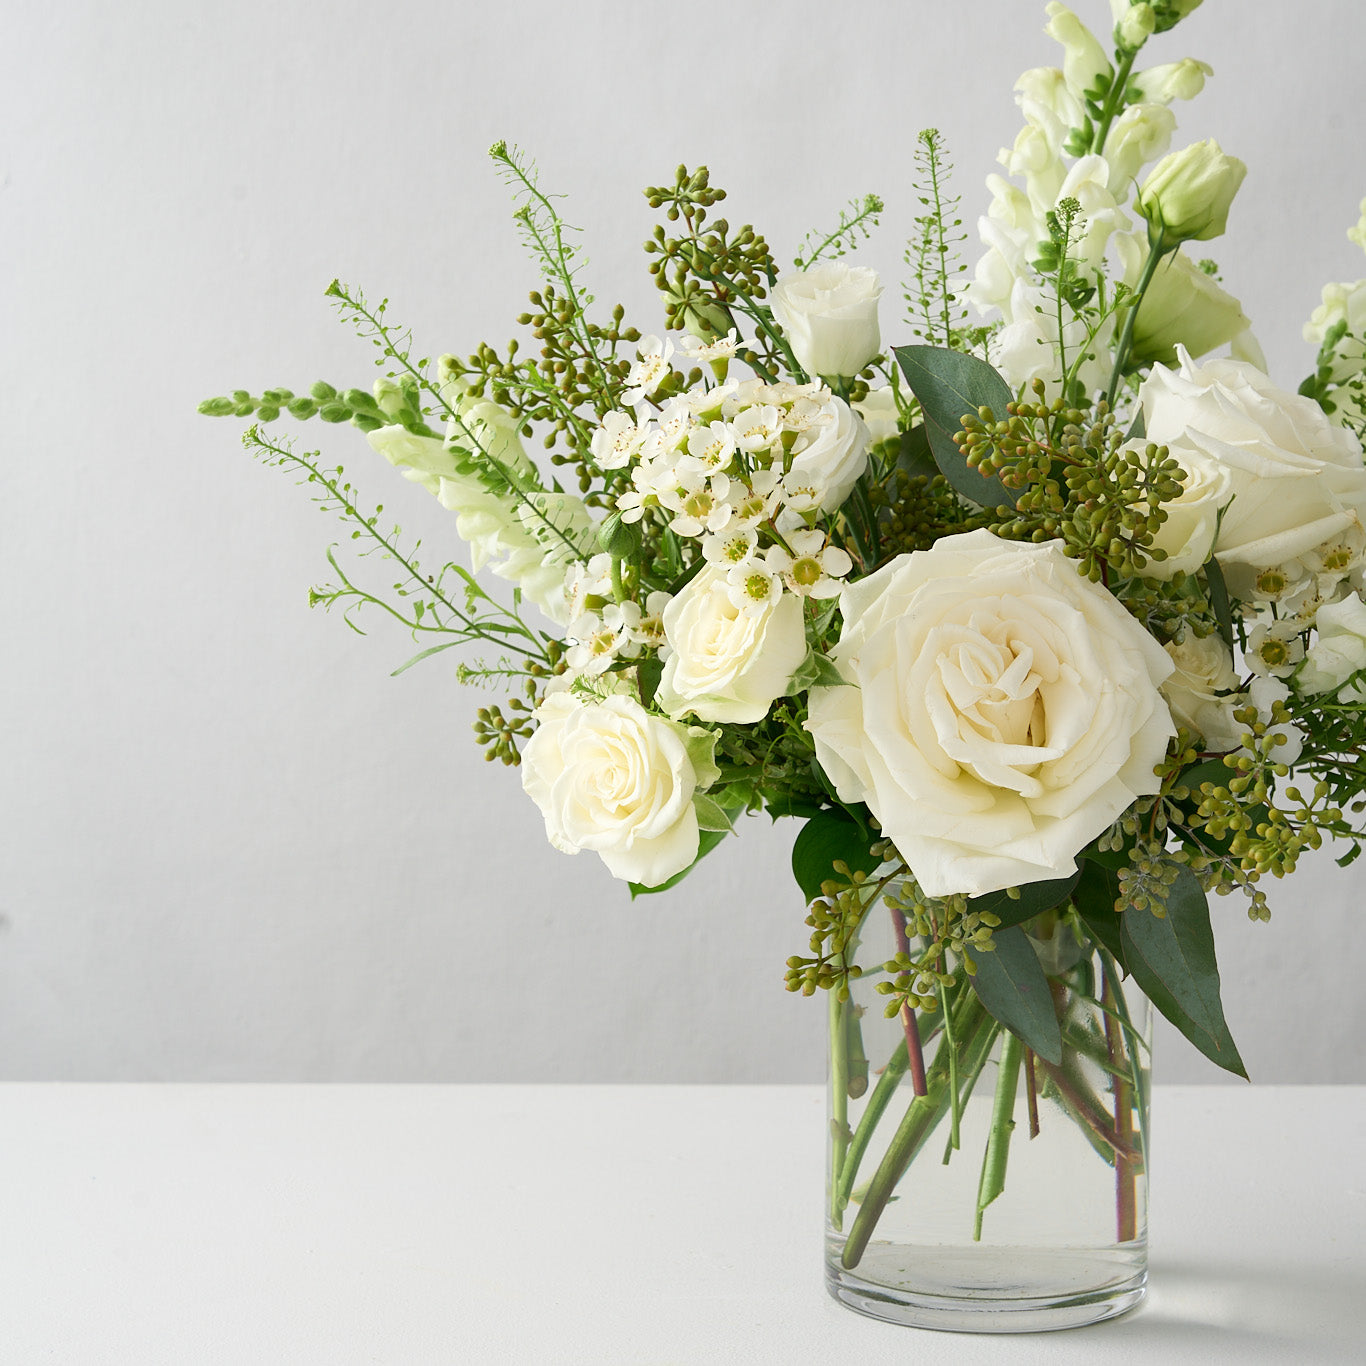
(784, 804)
(1137, 430)
(1172, 959)
(1011, 984)
(708, 841)
(828, 836)
(648, 673)
(951, 385)
(916, 457)
(1218, 600)
(1034, 898)
(1096, 896)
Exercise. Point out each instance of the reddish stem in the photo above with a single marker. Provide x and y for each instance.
(909, 1025)
(1031, 1093)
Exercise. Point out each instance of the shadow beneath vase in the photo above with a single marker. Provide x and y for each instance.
(1297, 1312)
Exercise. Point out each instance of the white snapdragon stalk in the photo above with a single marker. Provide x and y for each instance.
(1084, 60)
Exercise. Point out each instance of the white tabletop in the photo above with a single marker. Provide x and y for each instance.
(645, 1225)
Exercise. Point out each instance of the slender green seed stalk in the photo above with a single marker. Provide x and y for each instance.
(993, 1180)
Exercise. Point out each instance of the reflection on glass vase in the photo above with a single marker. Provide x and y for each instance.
(975, 1184)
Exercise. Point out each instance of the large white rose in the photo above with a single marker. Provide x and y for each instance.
(830, 455)
(1192, 518)
(1001, 711)
(610, 777)
(1297, 480)
(829, 316)
(724, 661)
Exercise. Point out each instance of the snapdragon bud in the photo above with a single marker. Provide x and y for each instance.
(1171, 12)
(1083, 60)
(1187, 195)
(1135, 26)
(1182, 80)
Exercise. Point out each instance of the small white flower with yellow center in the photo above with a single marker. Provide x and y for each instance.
(713, 445)
(735, 545)
(801, 498)
(648, 373)
(698, 508)
(599, 638)
(813, 568)
(758, 428)
(1274, 648)
(723, 348)
(756, 499)
(616, 441)
(583, 582)
(752, 588)
(649, 627)
(675, 423)
(806, 413)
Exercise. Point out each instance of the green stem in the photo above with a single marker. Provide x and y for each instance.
(1156, 251)
(993, 1180)
(1114, 100)
(839, 1093)
(955, 1102)
(978, 1031)
(868, 1122)
(1126, 1213)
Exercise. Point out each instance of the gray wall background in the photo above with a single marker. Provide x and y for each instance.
(233, 846)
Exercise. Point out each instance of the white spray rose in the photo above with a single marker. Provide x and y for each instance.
(1202, 693)
(831, 454)
(1192, 519)
(724, 661)
(1338, 651)
(1188, 193)
(829, 316)
(1297, 480)
(610, 777)
(1001, 710)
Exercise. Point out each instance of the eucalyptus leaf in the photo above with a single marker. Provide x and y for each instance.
(916, 458)
(1096, 897)
(1172, 959)
(1034, 898)
(826, 837)
(1010, 982)
(950, 385)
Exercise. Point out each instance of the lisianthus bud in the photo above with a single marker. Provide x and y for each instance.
(1184, 306)
(1188, 193)
(829, 316)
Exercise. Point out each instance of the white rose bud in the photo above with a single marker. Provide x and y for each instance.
(610, 777)
(1000, 710)
(830, 456)
(1201, 691)
(723, 662)
(1338, 651)
(1188, 193)
(1182, 80)
(829, 316)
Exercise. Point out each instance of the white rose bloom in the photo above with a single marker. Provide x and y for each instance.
(724, 662)
(1001, 710)
(1192, 519)
(829, 316)
(1203, 692)
(610, 777)
(1297, 480)
(1338, 651)
(832, 454)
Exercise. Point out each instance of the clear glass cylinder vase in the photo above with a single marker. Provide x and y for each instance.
(972, 1184)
